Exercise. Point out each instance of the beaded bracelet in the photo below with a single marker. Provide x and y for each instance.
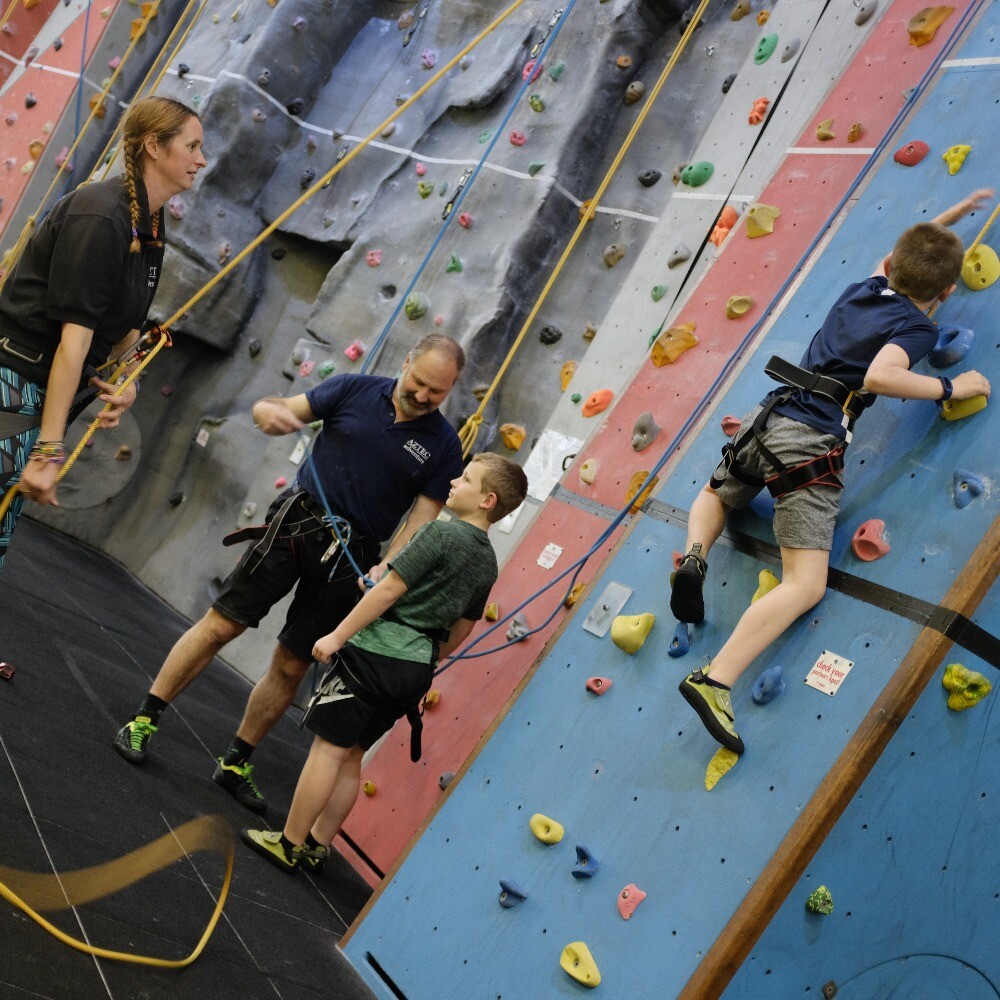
(48, 451)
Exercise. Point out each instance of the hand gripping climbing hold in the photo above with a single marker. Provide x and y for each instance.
(696, 174)
(628, 899)
(824, 130)
(958, 409)
(632, 493)
(672, 343)
(766, 582)
(548, 831)
(966, 687)
(980, 268)
(586, 864)
(721, 763)
(760, 220)
(588, 471)
(576, 961)
(738, 305)
(597, 402)
(955, 156)
(759, 110)
(765, 49)
(910, 154)
(513, 436)
(731, 425)
(869, 541)
(628, 632)
(924, 24)
(681, 642)
(598, 685)
(820, 901)
(768, 686)
(953, 343)
(966, 486)
(510, 894)
(518, 628)
(644, 432)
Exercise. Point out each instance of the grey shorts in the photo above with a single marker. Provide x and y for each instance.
(803, 519)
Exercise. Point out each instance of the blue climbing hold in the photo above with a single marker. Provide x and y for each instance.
(511, 893)
(586, 864)
(966, 485)
(768, 686)
(954, 342)
(763, 505)
(681, 642)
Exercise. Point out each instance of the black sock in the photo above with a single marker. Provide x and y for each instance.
(238, 753)
(287, 846)
(312, 843)
(152, 707)
(716, 684)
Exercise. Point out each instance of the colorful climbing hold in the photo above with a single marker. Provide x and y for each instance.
(428, 58)
(326, 368)
(869, 542)
(531, 70)
(597, 402)
(628, 899)
(760, 220)
(721, 763)
(454, 265)
(588, 471)
(587, 866)
(518, 628)
(629, 632)
(425, 189)
(634, 92)
(768, 686)
(738, 305)
(513, 436)
(35, 149)
(465, 220)
(645, 431)
(432, 698)
(672, 343)
(576, 397)
(548, 831)
(632, 492)
(953, 343)
(598, 685)
(369, 788)
(854, 132)
(766, 582)
(536, 103)
(955, 156)
(416, 305)
(535, 167)
(980, 267)
(680, 644)
(759, 110)
(510, 893)
(649, 177)
(492, 612)
(959, 409)
(589, 331)
(566, 373)
(623, 62)
(763, 17)
(740, 11)
(696, 174)
(354, 350)
(966, 486)
(557, 71)
(824, 130)
(910, 154)
(576, 961)
(731, 425)
(280, 483)
(306, 369)
(657, 292)
(518, 138)
(613, 253)
(924, 24)
(820, 901)
(373, 258)
(62, 161)
(966, 687)
(765, 49)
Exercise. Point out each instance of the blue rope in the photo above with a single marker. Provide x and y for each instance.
(576, 567)
(373, 354)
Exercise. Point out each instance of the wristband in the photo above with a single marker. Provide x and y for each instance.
(946, 386)
(48, 451)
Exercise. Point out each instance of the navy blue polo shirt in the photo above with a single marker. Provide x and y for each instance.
(861, 322)
(372, 468)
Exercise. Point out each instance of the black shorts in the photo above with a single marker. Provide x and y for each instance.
(342, 718)
(294, 558)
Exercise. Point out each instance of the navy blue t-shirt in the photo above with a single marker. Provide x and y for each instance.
(372, 468)
(863, 320)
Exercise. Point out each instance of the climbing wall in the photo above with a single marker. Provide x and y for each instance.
(624, 773)
(808, 187)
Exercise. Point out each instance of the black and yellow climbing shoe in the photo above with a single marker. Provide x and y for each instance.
(714, 707)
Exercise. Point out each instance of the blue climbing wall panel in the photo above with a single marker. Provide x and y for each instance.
(624, 773)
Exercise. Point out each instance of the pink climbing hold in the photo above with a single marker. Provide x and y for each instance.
(677, 558)
(912, 153)
(518, 138)
(428, 58)
(731, 425)
(354, 350)
(531, 70)
(373, 258)
(62, 159)
(628, 899)
(420, 169)
(465, 220)
(280, 483)
(306, 368)
(598, 685)
(115, 62)
(869, 541)
(438, 320)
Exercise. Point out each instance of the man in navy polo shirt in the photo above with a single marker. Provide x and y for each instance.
(384, 450)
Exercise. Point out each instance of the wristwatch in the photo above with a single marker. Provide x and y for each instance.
(946, 386)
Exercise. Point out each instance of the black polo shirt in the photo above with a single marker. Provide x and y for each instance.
(77, 268)
(371, 467)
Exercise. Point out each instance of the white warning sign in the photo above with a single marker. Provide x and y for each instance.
(828, 673)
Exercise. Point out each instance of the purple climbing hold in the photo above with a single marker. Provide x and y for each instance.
(768, 686)
(953, 343)
(967, 486)
(681, 642)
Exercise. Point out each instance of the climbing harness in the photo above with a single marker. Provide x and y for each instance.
(824, 470)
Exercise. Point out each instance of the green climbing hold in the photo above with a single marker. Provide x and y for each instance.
(533, 168)
(765, 49)
(486, 135)
(576, 397)
(454, 265)
(556, 71)
(820, 901)
(658, 291)
(695, 174)
(965, 687)
(326, 368)
(416, 305)
(536, 102)
(425, 189)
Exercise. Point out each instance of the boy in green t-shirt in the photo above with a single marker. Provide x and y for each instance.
(384, 653)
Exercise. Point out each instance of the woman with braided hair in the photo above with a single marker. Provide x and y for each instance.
(80, 293)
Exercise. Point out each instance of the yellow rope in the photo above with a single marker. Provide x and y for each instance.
(164, 66)
(33, 891)
(7, 13)
(983, 231)
(469, 432)
(10, 259)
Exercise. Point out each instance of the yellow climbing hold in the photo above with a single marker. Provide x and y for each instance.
(368, 788)
(672, 343)
(981, 267)
(566, 374)
(957, 409)
(955, 156)
(760, 220)
(824, 130)
(719, 765)
(548, 831)
(628, 632)
(577, 962)
(738, 305)
(633, 494)
(588, 471)
(966, 687)
(513, 435)
(492, 612)
(766, 581)
(574, 595)
(924, 24)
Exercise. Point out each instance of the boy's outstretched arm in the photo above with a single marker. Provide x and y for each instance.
(373, 605)
(458, 634)
(889, 375)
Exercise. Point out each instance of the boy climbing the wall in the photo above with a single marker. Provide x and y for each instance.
(793, 442)
(384, 653)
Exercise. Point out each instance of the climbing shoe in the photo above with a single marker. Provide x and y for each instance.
(714, 707)
(267, 844)
(686, 601)
(131, 740)
(314, 859)
(237, 779)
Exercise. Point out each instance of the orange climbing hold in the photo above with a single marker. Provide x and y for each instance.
(924, 24)
(672, 343)
(513, 436)
(574, 595)
(97, 106)
(759, 110)
(855, 133)
(597, 402)
(912, 153)
(869, 541)
(633, 488)
(763, 17)
(566, 374)
(727, 219)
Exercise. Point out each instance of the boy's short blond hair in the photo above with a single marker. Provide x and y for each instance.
(926, 260)
(504, 478)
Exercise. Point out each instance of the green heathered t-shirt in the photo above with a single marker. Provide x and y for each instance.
(448, 568)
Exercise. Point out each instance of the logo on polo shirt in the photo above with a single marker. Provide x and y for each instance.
(151, 281)
(418, 451)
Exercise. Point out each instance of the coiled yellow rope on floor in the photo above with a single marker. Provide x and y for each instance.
(470, 430)
(31, 892)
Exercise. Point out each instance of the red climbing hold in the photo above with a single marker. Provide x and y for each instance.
(531, 70)
(912, 153)
(598, 685)
(869, 541)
